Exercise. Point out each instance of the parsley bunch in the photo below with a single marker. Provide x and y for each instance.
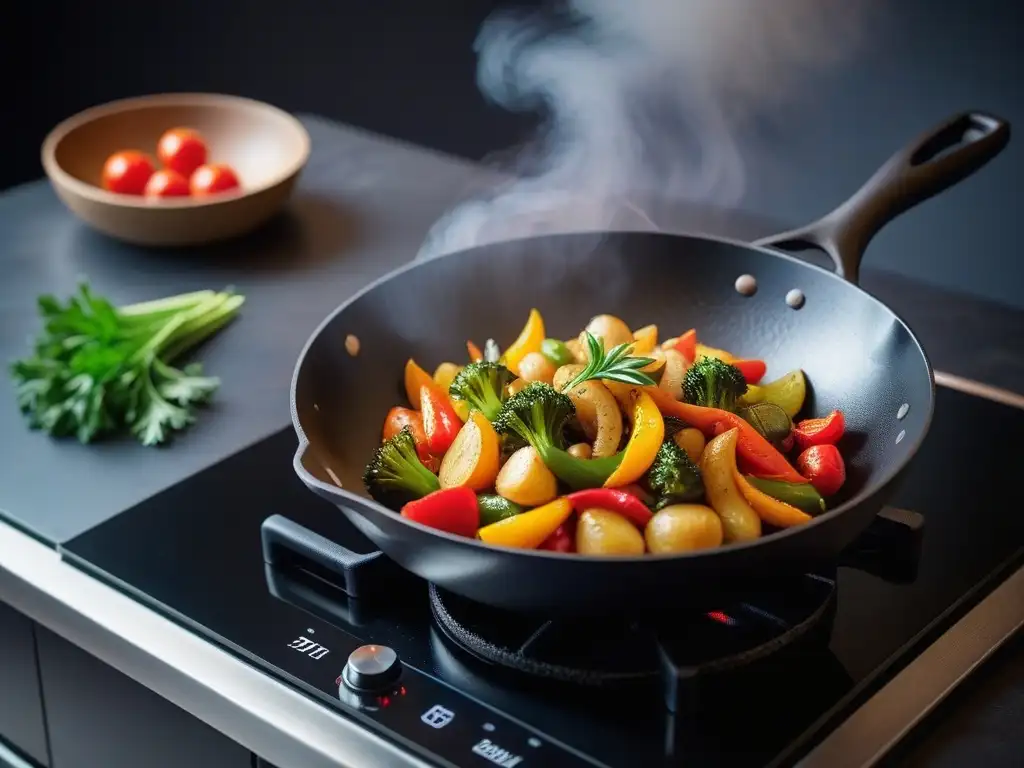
(99, 369)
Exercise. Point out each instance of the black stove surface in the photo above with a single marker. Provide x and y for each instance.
(194, 553)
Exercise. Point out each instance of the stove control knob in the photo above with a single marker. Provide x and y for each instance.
(372, 668)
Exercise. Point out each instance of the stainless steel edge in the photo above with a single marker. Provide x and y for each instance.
(246, 705)
(882, 721)
(979, 389)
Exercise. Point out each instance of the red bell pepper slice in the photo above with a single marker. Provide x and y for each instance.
(614, 500)
(453, 510)
(440, 422)
(823, 431)
(686, 345)
(824, 467)
(753, 370)
(757, 456)
(397, 419)
(562, 540)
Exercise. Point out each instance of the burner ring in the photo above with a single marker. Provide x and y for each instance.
(611, 653)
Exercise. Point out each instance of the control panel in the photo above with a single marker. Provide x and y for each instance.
(373, 684)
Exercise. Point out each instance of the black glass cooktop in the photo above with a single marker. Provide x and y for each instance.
(479, 687)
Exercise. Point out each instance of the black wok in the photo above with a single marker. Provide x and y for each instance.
(858, 355)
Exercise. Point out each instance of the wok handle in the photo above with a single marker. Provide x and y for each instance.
(933, 162)
(288, 544)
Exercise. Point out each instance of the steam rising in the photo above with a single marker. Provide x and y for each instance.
(645, 101)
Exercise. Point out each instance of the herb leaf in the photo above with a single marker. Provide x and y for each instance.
(614, 365)
(97, 370)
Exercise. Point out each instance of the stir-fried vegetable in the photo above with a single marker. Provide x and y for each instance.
(617, 500)
(803, 496)
(396, 472)
(472, 460)
(607, 444)
(825, 431)
(484, 386)
(529, 529)
(739, 520)
(453, 510)
(683, 528)
(674, 478)
(603, 532)
(645, 437)
(494, 508)
(538, 414)
(759, 456)
(713, 384)
(823, 465)
(529, 340)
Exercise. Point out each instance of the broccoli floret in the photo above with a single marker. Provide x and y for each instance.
(537, 414)
(396, 474)
(713, 384)
(673, 477)
(483, 385)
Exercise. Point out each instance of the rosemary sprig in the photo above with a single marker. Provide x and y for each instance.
(615, 365)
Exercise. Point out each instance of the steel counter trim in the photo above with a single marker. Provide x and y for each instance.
(271, 719)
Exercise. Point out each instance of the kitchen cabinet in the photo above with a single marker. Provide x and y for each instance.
(22, 724)
(97, 716)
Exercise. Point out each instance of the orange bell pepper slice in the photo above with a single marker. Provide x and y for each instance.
(759, 456)
(475, 355)
(770, 510)
(415, 379)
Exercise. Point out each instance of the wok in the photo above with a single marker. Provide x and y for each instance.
(859, 356)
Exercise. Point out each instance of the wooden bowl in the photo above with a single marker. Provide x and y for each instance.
(266, 146)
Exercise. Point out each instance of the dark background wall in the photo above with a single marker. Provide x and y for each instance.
(406, 68)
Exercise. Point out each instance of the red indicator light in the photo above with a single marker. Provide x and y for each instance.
(384, 701)
(722, 618)
(401, 691)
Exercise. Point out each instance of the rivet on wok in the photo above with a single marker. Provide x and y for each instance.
(902, 412)
(795, 298)
(746, 285)
(900, 436)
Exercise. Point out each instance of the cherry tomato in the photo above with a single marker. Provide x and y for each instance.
(182, 150)
(165, 183)
(214, 178)
(127, 172)
(823, 465)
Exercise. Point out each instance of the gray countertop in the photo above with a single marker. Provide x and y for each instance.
(362, 208)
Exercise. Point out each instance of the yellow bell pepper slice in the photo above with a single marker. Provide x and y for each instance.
(529, 340)
(704, 350)
(529, 529)
(718, 465)
(644, 441)
(644, 341)
(770, 510)
(415, 378)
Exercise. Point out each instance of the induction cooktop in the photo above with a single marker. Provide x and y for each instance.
(231, 553)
